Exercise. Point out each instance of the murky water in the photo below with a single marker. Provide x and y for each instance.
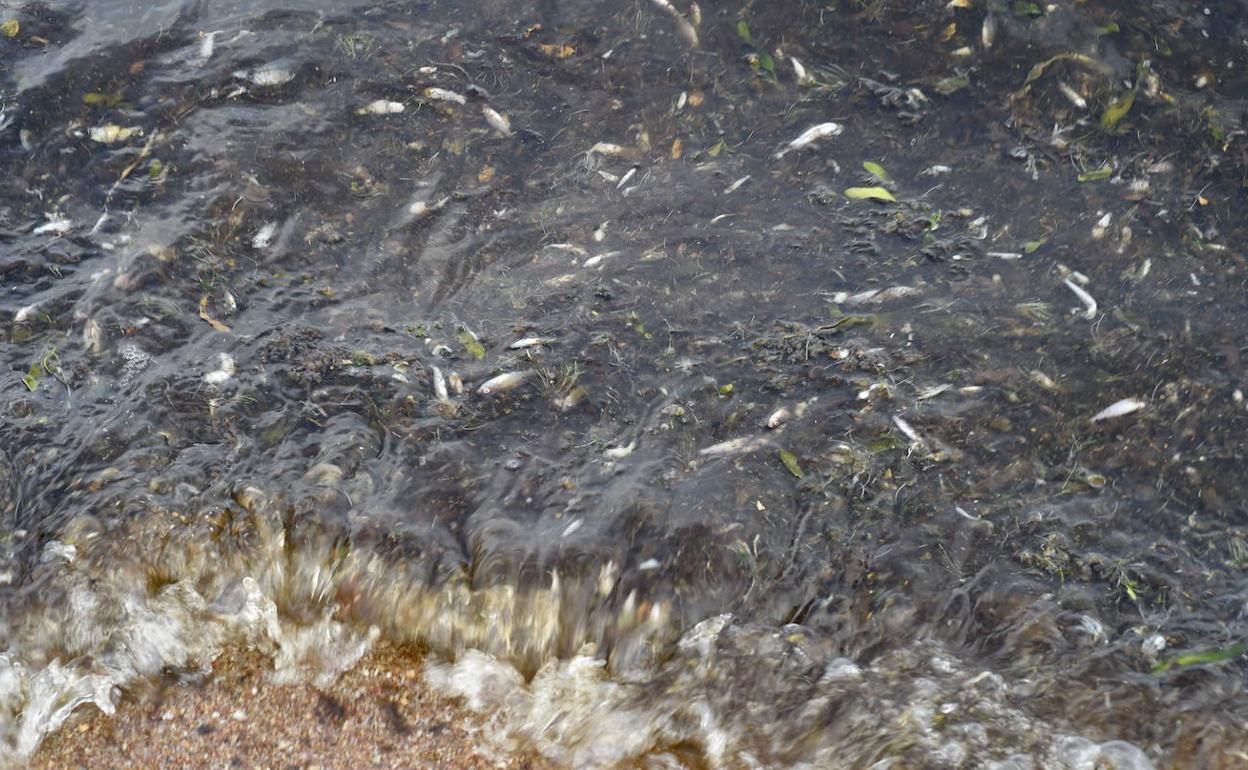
(935, 461)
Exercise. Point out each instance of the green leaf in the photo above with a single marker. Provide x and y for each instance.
(471, 344)
(790, 462)
(875, 170)
(767, 63)
(725, 390)
(1199, 657)
(1104, 172)
(717, 149)
(1027, 9)
(1106, 29)
(870, 193)
(96, 99)
(1030, 246)
(10, 28)
(1117, 110)
(952, 84)
(31, 378)
(743, 30)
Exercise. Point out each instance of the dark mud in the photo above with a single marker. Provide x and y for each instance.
(225, 421)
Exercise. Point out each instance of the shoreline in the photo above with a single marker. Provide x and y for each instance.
(378, 715)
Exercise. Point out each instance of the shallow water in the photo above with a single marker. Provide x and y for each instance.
(787, 479)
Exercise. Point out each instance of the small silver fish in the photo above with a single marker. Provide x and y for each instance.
(444, 95)
(687, 31)
(1089, 302)
(381, 107)
(1119, 408)
(1072, 95)
(206, 45)
(739, 445)
(608, 148)
(439, 385)
(497, 120)
(809, 137)
(111, 134)
(531, 342)
(799, 72)
(504, 382)
(988, 32)
(264, 236)
(779, 417)
(271, 77)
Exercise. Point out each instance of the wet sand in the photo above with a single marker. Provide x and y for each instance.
(379, 715)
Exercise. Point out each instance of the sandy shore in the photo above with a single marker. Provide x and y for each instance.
(377, 716)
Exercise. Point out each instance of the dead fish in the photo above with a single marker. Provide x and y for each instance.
(620, 452)
(809, 137)
(687, 31)
(26, 313)
(571, 400)
(874, 296)
(381, 107)
(504, 382)
(779, 417)
(1119, 408)
(439, 385)
(1072, 95)
(609, 148)
(270, 77)
(910, 432)
(595, 261)
(735, 446)
(57, 223)
(933, 391)
(1089, 302)
(1044, 381)
(206, 46)
(624, 179)
(264, 236)
(111, 134)
(497, 120)
(531, 342)
(222, 374)
(799, 72)
(444, 95)
(988, 32)
(421, 208)
(1101, 227)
